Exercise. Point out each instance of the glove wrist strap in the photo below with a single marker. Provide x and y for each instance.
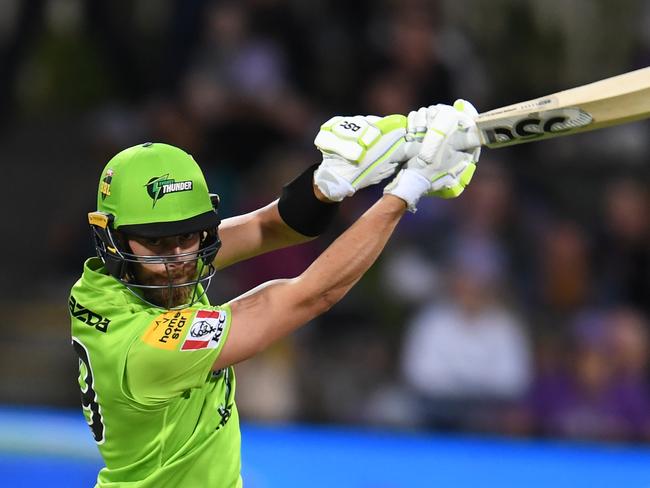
(334, 186)
(409, 185)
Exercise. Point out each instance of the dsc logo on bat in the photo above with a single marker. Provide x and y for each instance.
(534, 125)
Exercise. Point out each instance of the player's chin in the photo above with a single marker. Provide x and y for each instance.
(170, 297)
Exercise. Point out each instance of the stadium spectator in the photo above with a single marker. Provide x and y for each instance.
(602, 392)
(468, 352)
(624, 245)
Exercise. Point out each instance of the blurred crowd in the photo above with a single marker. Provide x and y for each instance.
(521, 308)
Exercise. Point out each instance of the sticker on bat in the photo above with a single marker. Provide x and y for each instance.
(531, 126)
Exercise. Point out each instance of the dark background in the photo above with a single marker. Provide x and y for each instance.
(520, 308)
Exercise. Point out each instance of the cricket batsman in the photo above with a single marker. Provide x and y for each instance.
(155, 357)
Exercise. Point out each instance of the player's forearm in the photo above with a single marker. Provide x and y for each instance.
(275, 309)
(265, 229)
(345, 261)
(255, 233)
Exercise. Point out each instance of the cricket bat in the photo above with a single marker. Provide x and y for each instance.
(617, 100)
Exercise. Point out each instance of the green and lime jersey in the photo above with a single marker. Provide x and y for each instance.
(159, 414)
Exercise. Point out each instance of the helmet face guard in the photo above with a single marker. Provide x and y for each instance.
(121, 262)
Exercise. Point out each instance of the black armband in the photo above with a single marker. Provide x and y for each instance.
(301, 210)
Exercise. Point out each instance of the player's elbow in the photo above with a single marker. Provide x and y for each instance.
(325, 300)
(317, 302)
(331, 298)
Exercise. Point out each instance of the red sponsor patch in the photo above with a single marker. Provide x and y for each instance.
(205, 331)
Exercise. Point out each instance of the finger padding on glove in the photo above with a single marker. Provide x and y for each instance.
(466, 108)
(451, 186)
(467, 137)
(416, 127)
(441, 121)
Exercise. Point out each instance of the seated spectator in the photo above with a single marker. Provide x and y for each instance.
(603, 393)
(623, 258)
(469, 354)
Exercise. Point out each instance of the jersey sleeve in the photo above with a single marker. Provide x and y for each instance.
(175, 353)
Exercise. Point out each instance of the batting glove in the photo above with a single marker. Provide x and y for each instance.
(360, 151)
(439, 169)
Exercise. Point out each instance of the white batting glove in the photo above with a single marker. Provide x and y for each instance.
(360, 151)
(439, 169)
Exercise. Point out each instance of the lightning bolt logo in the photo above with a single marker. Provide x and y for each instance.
(155, 187)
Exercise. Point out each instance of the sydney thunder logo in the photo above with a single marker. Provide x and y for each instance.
(160, 186)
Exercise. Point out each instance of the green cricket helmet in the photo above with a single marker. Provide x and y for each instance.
(155, 190)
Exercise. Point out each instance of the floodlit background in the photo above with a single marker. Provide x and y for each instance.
(520, 310)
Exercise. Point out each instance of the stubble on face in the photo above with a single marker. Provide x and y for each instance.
(173, 274)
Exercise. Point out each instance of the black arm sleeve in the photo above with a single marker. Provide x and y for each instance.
(301, 210)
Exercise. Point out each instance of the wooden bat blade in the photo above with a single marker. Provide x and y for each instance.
(617, 100)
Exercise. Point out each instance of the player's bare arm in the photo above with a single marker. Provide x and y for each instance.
(258, 232)
(274, 309)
